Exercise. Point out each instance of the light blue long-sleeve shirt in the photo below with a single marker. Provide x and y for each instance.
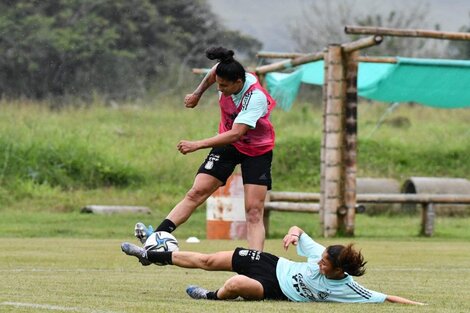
(302, 281)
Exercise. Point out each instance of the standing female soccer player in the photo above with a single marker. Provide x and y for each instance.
(246, 137)
(325, 277)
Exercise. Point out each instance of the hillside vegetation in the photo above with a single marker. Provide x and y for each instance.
(131, 149)
(60, 161)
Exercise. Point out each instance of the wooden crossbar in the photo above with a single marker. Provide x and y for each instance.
(377, 197)
(292, 206)
(311, 57)
(308, 202)
(423, 33)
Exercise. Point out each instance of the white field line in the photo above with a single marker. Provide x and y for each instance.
(48, 270)
(51, 307)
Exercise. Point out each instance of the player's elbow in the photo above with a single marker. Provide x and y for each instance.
(238, 131)
(237, 136)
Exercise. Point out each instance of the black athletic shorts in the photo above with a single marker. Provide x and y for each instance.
(221, 162)
(260, 266)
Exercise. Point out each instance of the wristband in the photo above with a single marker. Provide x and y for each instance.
(298, 236)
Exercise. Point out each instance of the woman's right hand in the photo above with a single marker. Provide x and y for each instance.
(288, 240)
(191, 100)
(292, 237)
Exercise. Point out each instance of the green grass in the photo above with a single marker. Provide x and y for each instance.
(24, 224)
(92, 275)
(60, 160)
(53, 163)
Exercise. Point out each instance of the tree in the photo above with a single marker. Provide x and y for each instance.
(460, 49)
(114, 47)
(323, 23)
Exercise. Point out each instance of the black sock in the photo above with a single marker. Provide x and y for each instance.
(167, 226)
(160, 258)
(212, 295)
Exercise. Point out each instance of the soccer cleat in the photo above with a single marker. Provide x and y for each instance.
(141, 232)
(197, 292)
(138, 252)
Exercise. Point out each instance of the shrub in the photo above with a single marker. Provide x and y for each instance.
(66, 164)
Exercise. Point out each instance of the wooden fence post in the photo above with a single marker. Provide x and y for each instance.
(347, 221)
(322, 149)
(333, 183)
(427, 222)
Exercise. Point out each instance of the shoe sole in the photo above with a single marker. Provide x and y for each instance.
(140, 232)
(133, 250)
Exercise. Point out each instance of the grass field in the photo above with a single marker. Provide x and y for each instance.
(92, 275)
(52, 163)
(59, 161)
(76, 225)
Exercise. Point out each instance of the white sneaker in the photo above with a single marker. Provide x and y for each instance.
(141, 232)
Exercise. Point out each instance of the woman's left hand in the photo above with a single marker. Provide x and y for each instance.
(185, 146)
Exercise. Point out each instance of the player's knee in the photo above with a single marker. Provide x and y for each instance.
(234, 284)
(196, 194)
(254, 215)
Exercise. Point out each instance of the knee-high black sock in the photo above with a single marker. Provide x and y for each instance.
(167, 226)
(160, 258)
(212, 295)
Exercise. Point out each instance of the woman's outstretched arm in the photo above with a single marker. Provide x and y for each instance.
(397, 299)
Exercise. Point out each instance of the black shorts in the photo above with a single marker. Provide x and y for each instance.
(221, 162)
(260, 266)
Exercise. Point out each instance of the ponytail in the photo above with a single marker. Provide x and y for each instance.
(228, 68)
(347, 258)
(221, 54)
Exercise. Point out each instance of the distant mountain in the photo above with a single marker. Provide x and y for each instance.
(270, 20)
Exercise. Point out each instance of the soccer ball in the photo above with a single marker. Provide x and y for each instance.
(161, 241)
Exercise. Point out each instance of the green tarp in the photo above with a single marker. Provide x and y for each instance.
(432, 82)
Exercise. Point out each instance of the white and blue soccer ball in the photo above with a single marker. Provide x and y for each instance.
(161, 241)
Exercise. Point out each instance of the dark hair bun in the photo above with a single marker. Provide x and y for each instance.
(221, 54)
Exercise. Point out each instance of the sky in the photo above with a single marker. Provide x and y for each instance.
(270, 20)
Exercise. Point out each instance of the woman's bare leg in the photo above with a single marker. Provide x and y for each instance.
(255, 196)
(219, 261)
(204, 185)
(241, 286)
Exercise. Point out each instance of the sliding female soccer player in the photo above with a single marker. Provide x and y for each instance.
(327, 276)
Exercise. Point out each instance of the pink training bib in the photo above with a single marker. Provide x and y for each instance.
(256, 141)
